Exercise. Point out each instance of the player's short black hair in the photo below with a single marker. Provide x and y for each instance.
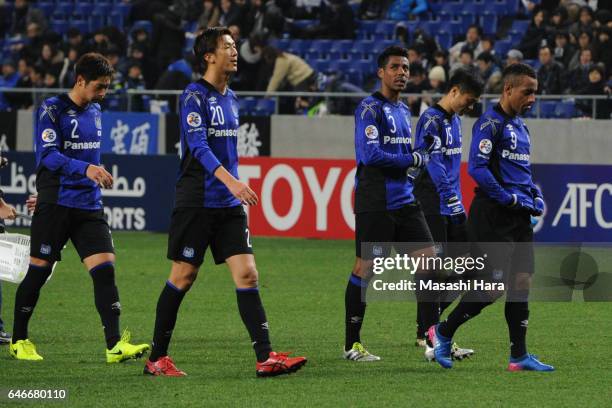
(92, 66)
(466, 82)
(392, 51)
(207, 42)
(514, 71)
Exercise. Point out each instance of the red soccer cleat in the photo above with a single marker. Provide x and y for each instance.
(164, 367)
(279, 364)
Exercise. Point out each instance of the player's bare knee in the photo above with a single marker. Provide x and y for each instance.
(247, 277)
(41, 263)
(183, 275)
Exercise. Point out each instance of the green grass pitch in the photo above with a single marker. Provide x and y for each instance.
(302, 285)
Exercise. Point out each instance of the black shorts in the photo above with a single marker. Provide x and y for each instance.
(53, 225)
(192, 230)
(505, 235)
(405, 225)
(450, 239)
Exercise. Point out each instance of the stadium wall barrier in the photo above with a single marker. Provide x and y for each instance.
(554, 141)
(313, 198)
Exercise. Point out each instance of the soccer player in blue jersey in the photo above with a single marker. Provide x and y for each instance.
(69, 206)
(506, 198)
(438, 187)
(385, 207)
(208, 209)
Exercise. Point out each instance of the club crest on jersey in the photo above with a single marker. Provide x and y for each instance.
(212, 99)
(48, 135)
(98, 121)
(485, 146)
(45, 249)
(371, 132)
(437, 142)
(194, 119)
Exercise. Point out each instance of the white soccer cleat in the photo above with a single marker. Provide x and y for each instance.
(458, 353)
(429, 353)
(359, 353)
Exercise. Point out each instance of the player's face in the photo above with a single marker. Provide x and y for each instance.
(395, 74)
(225, 57)
(95, 90)
(462, 102)
(522, 95)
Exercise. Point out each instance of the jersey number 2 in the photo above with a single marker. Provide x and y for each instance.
(75, 126)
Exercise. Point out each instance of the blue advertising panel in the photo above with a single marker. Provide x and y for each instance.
(141, 198)
(578, 200)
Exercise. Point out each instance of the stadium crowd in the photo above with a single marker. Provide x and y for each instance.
(285, 44)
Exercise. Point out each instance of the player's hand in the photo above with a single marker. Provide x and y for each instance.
(420, 159)
(7, 211)
(538, 206)
(243, 192)
(31, 202)
(100, 176)
(457, 210)
(518, 204)
(3, 162)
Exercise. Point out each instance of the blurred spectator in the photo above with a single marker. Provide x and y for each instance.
(558, 22)
(22, 100)
(514, 56)
(440, 58)
(404, 9)
(9, 79)
(466, 61)
(114, 57)
(188, 10)
(489, 71)
(50, 80)
(210, 15)
(37, 76)
(305, 9)
(249, 75)
(437, 79)
(230, 13)
(139, 54)
(426, 44)
(135, 80)
(51, 58)
(23, 15)
(584, 23)
(177, 76)
(472, 42)
(373, 9)
(550, 73)
(290, 72)
(34, 45)
(75, 41)
(66, 77)
(488, 45)
(168, 39)
(596, 85)
(337, 21)
(536, 35)
(579, 76)
(414, 57)
(603, 47)
(584, 42)
(417, 84)
(101, 42)
(564, 50)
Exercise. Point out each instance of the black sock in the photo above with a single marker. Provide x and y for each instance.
(448, 299)
(254, 318)
(471, 305)
(517, 317)
(421, 329)
(26, 298)
(354, 310)
(106, 298)
(165, 319)
(428, 307)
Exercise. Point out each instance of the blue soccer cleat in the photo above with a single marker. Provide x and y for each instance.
(528, 362)
(442, 347)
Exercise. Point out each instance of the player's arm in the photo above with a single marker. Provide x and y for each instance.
(437, 171)
(6, 211)
(367, 139)
(484, 139)
(48, 142)
(193, 119)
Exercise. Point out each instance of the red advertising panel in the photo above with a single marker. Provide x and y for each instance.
(311, 198)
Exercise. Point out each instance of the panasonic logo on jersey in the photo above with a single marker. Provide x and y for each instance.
(223, 132)
(81, 145)
(450, 152)
(396, 140)
(506, 154)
